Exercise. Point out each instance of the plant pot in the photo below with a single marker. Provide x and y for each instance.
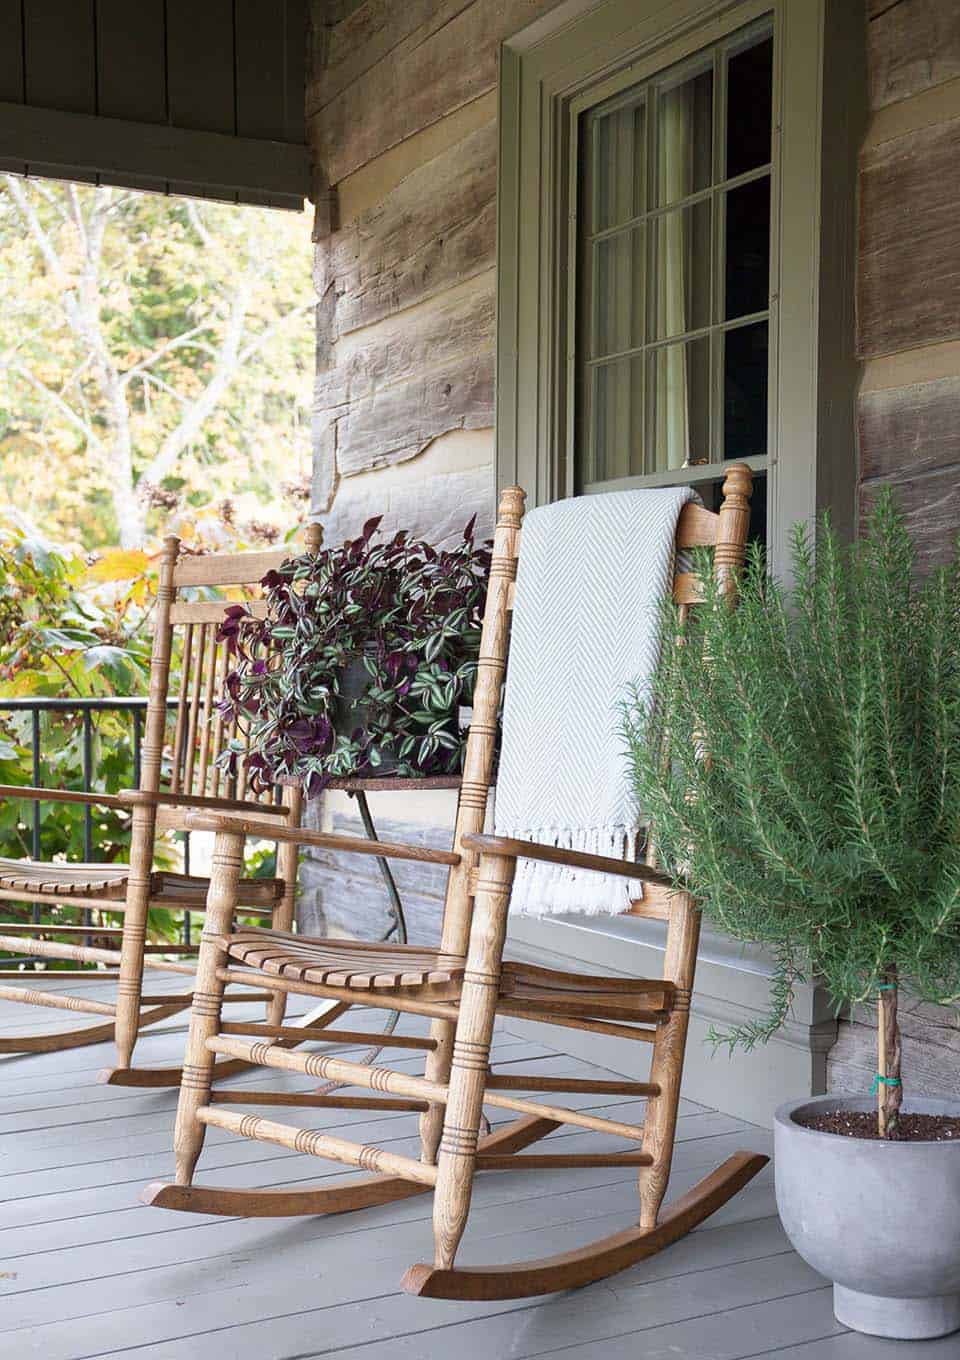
(880, 1219)
(349, 714)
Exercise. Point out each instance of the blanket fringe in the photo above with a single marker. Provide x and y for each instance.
(559, 889)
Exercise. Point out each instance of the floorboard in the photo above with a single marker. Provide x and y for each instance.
(89, 1273)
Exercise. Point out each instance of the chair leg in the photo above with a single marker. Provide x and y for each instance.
(207, 1003)
(437, 1068)
(288, 858)
(471, 1057)
(130, 981)
(666, 1069)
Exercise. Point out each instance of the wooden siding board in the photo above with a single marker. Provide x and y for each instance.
(369, 34)
(131, 71)
(11, 51)
(931, 505)
(435, 335)
(931, 1049)
(60, 55)
(200, 65)
(909, 277)
(437, 228)
(396, 423)
(910, 430)
(432, 72)
(912, 46)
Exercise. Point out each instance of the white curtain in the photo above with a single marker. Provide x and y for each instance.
(676, 176)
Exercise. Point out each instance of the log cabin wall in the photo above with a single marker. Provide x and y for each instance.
(402, 109)
(909, 404)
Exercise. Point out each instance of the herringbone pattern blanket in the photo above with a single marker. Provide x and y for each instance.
(593, 571)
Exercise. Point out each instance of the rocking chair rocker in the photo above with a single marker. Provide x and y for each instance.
(133, 889)
(463, 987)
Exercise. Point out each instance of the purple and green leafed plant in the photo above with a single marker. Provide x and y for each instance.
(406, 614)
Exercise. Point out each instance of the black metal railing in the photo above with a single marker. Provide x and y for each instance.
(87, 710)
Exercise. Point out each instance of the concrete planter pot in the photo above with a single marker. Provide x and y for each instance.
(881, 1220)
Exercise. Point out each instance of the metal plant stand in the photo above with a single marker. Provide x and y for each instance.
(397, 929)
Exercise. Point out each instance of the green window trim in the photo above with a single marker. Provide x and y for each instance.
(585, 52)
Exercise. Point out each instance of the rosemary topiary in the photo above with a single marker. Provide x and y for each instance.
(799, 756)
(406, 614)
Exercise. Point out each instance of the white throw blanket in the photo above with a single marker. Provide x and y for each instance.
(593, 572)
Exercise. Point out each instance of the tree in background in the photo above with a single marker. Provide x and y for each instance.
(155, 357)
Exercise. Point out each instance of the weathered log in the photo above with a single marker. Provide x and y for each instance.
(434, 337)
(448, 61)
(435, 229)
(912, 46)
(909, 275)
(909, 430)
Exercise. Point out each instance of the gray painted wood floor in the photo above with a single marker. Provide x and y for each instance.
(87, 1271)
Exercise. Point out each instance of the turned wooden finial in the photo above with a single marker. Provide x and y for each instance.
(738, 482)
(734, 526)
(510, 509)
(313, 537)
(171, 547)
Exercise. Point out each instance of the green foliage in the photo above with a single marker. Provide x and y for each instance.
(156, 359)
(62, 634)
(403, 612)
(826, 822)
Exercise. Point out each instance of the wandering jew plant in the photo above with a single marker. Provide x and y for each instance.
(405, 615)
(825, 820)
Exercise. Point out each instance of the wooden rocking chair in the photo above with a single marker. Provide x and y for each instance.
(131, 890)
(463, 986)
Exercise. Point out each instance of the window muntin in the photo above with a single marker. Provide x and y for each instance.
(673, 264)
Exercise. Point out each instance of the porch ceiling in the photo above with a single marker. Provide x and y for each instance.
(167, 95)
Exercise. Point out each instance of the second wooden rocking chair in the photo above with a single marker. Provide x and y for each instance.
(182, 739)
(463, 986)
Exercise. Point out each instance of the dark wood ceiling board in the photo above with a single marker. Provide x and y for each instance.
(200, 65)
(131, 64)
(59, 44)
(260, 70)
(11, 51)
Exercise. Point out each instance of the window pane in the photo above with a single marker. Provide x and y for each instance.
(620, 150)
(615, 419)
(619, 297)
(748, 249)
(683, 269)
(685, 135)
(749, 107)
(745, 391)
(680, 376)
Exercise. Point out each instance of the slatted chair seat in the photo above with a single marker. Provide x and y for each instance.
(343, 963)
(110, 881)
(361, 966)
(65, 880)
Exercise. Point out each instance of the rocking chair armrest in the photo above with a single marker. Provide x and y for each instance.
(36, 795)
(322, 840)
(203, 801)
(552, 854)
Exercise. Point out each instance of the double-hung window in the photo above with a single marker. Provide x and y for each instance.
(673, 295)
(671, 328)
